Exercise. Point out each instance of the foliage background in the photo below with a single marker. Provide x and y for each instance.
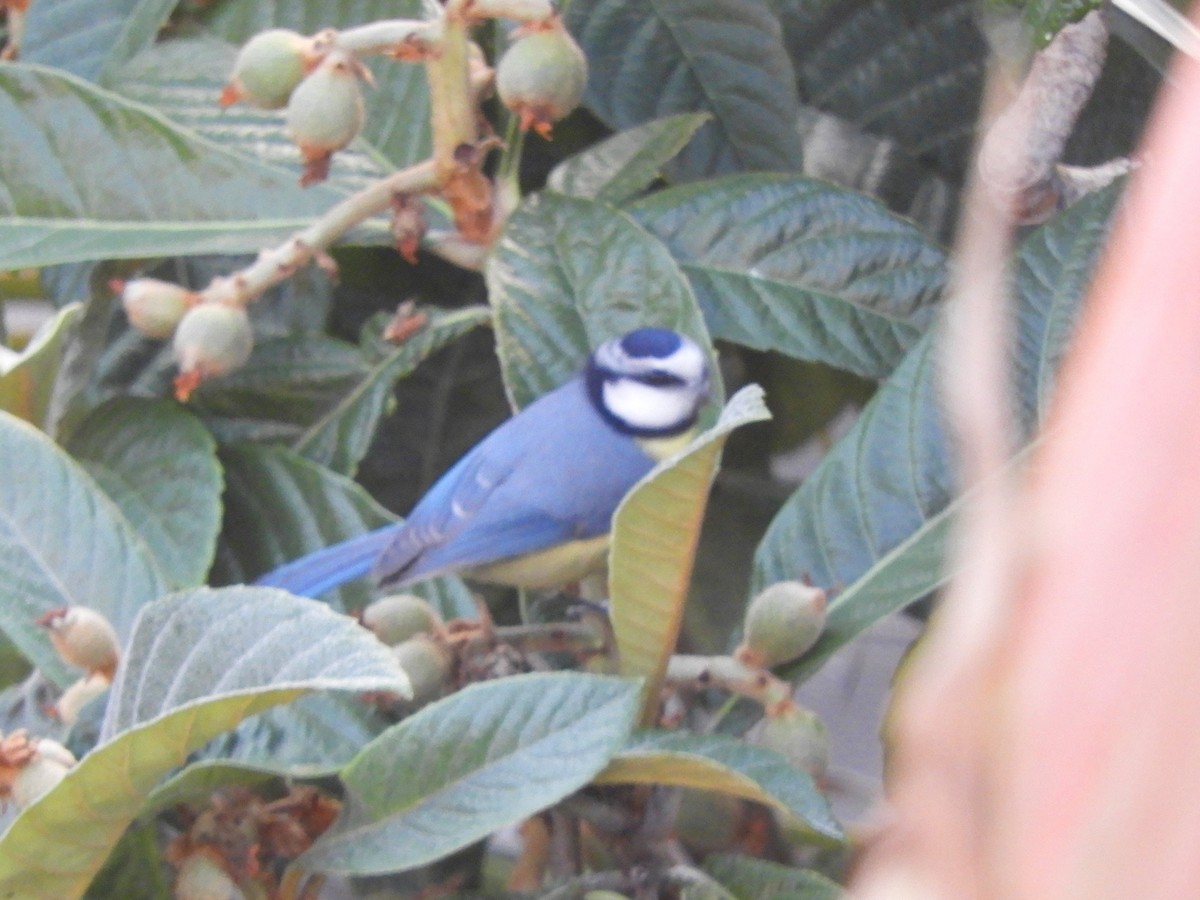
(788, 188)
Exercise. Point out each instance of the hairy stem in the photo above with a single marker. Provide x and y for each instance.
(451, 97)
(278, 263)
(703, 672)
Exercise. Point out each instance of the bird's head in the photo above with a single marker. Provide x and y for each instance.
(649, 383)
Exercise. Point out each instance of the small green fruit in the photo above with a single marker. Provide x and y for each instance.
(428, 666)
(326, 110)
(83, 637)
(709, 821)
(781, 624)
(542, 76)
(212, 340)
(399, 617)
(268, 68)
(797, 735)
(154, 307)
(46, 769)
(202, 877)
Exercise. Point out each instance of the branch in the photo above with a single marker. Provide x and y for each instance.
(276, 264)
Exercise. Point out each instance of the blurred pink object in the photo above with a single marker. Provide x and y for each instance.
(1051, 748)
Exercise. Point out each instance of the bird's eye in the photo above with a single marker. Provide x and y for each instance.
(659, 378)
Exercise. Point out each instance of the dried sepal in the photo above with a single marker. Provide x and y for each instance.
(29, 767)
(408, 225)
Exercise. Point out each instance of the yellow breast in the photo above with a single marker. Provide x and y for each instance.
(553, 567)
(575, 560)
(659, 449)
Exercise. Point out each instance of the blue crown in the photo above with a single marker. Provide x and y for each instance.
(656, 342)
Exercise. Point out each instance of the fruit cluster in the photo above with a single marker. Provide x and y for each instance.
(318, 81)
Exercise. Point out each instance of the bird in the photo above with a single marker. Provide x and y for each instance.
(531, 505)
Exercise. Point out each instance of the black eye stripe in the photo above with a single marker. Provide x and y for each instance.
(658, 378)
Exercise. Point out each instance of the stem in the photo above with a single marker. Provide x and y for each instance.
(553, 637)
(703, 672)
(278, 263)
(390, 36)
(1018, 156)
(508, 170)
(450, 95)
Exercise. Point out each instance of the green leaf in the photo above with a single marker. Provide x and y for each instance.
(910, 70)
(90, 38)
(288, 384)
(654, 536)
(886, 483)
(197, 663)
(749, 878)
(241, 641)
(159, 465)
(316, 735)
(397, 126)
(488, 756)
(135, 870)
(280, 506)
(313, 737)
(27, 378)
(568, 274)
(911, 570)
(800, 266)
(339, 439)
(725, 57)
(145, 186)
(717, 762)
(63, 542)
(618, 169)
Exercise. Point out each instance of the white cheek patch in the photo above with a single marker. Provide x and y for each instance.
(687, 362)
(646, 408)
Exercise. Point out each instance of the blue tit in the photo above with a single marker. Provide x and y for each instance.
(531, 505)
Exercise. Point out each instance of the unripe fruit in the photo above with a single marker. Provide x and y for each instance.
(399, 617)
(268, 68)
(79, 695)
(542, 76)
(781, 624)
(46, 769)
(798, 736)
(708, 821)
(428, 666)
(84, 638)
(154, 307)
(326, 112)
(201, 877)
(212, 340)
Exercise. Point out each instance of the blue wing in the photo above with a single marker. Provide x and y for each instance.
(316, 573)
(552, 474)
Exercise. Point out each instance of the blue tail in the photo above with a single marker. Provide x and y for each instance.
(316, 573)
